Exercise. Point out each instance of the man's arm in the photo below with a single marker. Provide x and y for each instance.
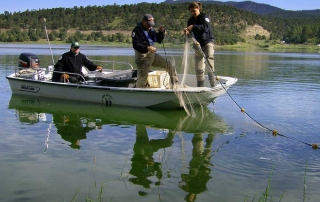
(137, 41)
(89, 64)
(160, 36)
(59, 65)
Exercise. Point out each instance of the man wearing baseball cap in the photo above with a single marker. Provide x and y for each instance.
(72, 62)
(75, 44)
(144, 39)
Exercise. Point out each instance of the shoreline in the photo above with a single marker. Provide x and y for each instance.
(237, 47)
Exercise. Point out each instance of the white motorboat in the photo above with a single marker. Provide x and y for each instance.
(117, 87)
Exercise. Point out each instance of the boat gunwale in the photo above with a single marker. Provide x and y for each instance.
(162, 90)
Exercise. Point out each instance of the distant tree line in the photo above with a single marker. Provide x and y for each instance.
(227, 22)
(17, 35)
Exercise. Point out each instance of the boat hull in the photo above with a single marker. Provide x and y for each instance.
(136, 97)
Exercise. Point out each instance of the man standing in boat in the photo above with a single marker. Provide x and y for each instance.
(72, 62)
(144, 38)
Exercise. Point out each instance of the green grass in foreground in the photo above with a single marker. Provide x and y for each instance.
(266, 196)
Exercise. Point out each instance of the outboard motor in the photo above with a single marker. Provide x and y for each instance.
(29, 67)
(28, 60)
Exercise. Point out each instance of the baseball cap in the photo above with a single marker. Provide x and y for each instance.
(149, 18)
(75, 44)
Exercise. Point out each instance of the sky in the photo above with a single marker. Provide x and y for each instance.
(23, 5)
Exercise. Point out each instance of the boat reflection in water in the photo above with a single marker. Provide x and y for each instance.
(73, 121)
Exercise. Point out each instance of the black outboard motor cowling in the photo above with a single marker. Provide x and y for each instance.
(28, 60)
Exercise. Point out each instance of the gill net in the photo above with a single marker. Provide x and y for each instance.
(191, 102)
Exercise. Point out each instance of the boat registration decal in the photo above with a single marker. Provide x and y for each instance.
(107, 100)
(29, 88)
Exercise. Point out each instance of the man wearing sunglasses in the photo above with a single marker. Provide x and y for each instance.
(72, 61)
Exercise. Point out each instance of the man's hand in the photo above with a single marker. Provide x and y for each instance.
(64, 77)
(99, 69)
(161, 29)
(188, 29)
(152, 49)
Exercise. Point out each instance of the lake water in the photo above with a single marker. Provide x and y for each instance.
(62, 151)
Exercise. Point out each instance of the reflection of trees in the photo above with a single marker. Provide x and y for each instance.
(143, 164)
(199, 174)
(73, 128)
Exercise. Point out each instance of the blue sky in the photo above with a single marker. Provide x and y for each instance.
(23, 5)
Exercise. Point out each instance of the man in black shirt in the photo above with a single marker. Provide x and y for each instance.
(72, 62)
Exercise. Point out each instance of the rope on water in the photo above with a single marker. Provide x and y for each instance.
(274, 132)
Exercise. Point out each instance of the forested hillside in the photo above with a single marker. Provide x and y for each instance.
(258, 8)
(228, 23)
(251, 6)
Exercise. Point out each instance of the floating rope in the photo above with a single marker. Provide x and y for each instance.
(198, 48)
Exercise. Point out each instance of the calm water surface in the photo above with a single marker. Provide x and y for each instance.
(54, 150)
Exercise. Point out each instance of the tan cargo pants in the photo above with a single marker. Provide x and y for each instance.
(145, 60)
(200, 65)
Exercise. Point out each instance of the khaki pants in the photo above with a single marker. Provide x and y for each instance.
(145, 60)
(200, 65)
